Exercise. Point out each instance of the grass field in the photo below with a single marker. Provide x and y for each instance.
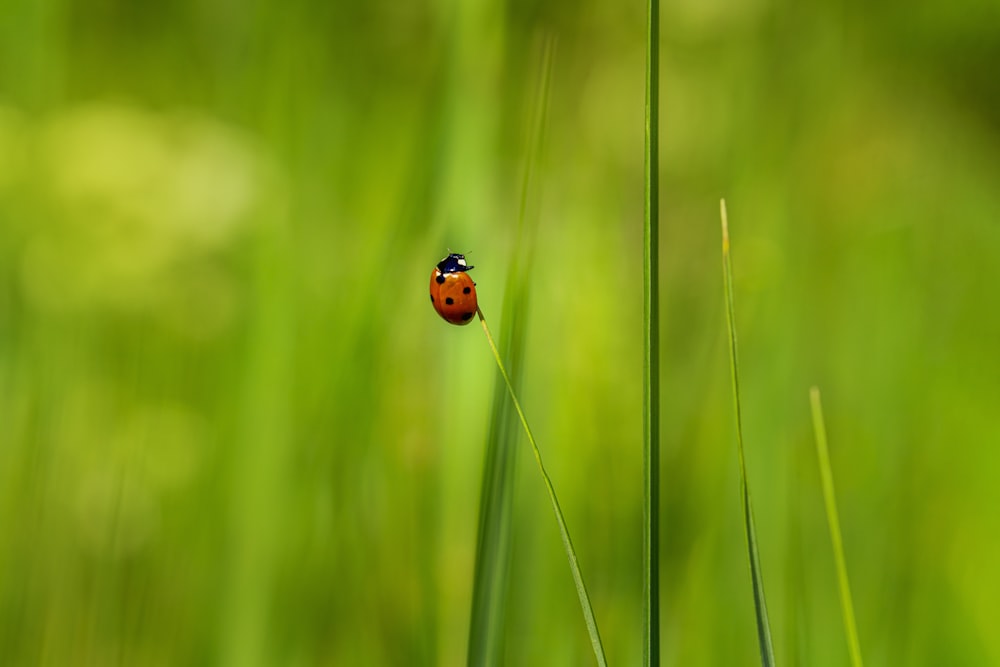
(234, 432)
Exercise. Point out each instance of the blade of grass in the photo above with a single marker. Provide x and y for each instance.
(651, 349)
(756, 576)
(493, 547)
(574, 565)
(833, 518)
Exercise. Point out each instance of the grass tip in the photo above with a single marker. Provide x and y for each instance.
(725, 225)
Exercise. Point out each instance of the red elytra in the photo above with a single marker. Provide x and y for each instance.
(453, 293)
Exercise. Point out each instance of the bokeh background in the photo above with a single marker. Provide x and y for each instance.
(234, 432)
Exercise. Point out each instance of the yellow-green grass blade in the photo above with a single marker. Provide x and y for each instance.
(574, 565)
(833, 519)
(651, 349)
(493, 546)
(756, 576)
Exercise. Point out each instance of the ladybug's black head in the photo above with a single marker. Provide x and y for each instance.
(453, 263)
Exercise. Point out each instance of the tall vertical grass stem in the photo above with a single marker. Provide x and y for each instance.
(756, 576)
(833, 518)
(651, 348)
(494, 542)
(574, 566)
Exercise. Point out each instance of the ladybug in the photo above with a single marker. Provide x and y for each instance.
(453, 293)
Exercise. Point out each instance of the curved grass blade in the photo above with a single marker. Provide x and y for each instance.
(756, 577)
(651, 350)
(574, 565)
(493, 547)
(833, 519)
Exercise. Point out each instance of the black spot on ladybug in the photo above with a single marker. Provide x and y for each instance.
(440, 279)
(449, 301)
(466, 290)
(432, 298)
(467, 316)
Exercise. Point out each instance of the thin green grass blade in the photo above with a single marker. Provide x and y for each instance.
(651, 349)
(833, 519)
(493, 546)
(574, 565)
(756, 577)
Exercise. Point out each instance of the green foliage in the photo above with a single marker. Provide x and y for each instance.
(833, 520)
(749, 525)
(651, 347)
(235, 431)
(494, 545)
(574, 565)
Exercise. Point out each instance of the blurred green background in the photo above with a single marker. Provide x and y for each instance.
(234, 432)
